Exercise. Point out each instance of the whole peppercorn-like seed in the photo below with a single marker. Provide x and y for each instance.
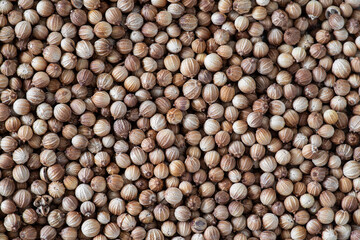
(242, 6)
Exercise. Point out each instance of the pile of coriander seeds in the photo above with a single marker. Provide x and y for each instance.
(180, 119)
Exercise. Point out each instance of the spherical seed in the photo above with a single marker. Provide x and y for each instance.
(173, 195)
(90, 228)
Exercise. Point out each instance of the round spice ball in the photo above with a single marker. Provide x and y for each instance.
(173, 195)
(213, 62)
(189, 67)
(238, 191)
(90, 228)
(351, 169)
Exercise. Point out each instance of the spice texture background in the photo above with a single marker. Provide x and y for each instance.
(180, 119)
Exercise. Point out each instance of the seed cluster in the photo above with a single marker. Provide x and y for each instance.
(180, 119)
